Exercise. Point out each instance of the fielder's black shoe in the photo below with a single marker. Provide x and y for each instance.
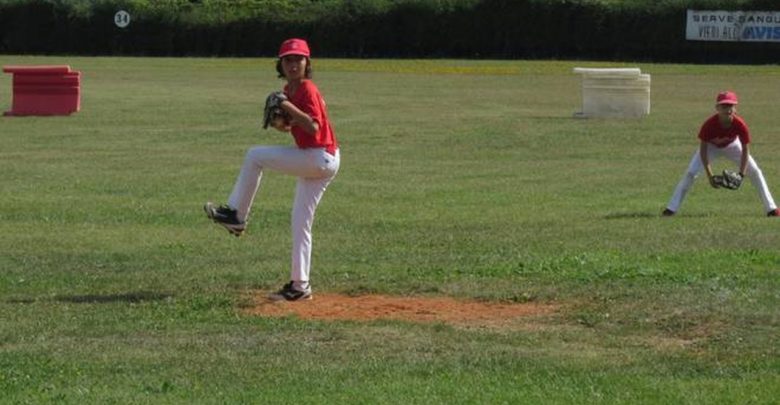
(226, 217)
(774, 213)
(667, 213)
(289, 293)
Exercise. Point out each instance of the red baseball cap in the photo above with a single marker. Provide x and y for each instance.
(727, 97)
(294, 46)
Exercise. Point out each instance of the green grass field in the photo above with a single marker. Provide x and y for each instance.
(467, 179)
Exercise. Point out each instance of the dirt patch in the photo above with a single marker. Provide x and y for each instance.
(413, 309)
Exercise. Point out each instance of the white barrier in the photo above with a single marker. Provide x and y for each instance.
(614, 93)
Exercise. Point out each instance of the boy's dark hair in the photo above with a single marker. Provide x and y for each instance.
(307, 74)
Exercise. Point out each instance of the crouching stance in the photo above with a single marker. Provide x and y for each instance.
(725, 134)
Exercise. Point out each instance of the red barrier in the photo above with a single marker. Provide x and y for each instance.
(44, 90)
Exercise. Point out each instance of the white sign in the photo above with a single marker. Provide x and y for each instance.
(748, 26)
(122, 18)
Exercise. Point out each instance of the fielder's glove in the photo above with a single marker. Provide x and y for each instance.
(730, 180)
(273, 114)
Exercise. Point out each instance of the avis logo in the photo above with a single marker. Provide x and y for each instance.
(761, 33)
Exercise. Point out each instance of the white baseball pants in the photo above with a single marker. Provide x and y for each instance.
(734, 153)
(315, 169)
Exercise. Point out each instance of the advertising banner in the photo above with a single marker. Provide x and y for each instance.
(718, 25)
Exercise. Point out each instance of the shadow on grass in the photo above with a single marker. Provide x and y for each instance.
(550, 117)
(629, 215)
(131, 297)
(635, 215)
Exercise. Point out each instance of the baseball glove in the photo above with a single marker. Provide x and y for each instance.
(730, 180)
(273, 114)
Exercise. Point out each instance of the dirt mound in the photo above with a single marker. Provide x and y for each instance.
(413, 309)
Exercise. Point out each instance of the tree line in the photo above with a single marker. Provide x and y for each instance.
(652, 30)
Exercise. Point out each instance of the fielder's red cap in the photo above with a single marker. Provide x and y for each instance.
(726, 97)
(294, 46)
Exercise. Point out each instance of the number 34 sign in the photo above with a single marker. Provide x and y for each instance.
(122, 18)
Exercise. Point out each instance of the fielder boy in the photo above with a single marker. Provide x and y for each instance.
(724, 134)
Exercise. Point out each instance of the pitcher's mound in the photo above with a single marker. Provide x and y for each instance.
(414, 309)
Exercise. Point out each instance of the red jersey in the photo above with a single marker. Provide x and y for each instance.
(711, 131)
(309, 100)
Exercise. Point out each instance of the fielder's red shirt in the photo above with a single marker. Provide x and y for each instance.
(714, 133)
(309, 100)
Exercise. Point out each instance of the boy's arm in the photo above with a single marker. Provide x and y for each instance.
(300, 118)
(705, 161)
(744, 161)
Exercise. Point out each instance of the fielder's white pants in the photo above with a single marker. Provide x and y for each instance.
(315, 169)
(734, 153)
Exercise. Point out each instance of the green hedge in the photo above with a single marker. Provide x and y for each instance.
(599, 29)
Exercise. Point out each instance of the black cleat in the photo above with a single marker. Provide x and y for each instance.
(289, 293)
(226, 217)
